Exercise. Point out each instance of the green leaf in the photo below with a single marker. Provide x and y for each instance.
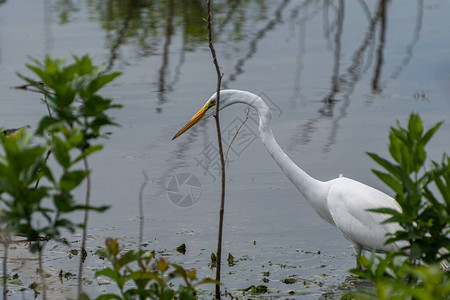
(110, 273)
(415, 126)
(71, 180)
(61, 152)
(390, 181)
(386, 210)
(381, 268)
(416, 251)
(88, 151)
(46, 124)
(207, 281)
(128, 257)
(94, 208)
(95, 105)
(430, 133)
(390, 167)
(64, 202)
(145, 275)
(84, 296)
(100, 81)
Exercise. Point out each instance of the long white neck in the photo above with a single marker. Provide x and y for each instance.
(303, 181)
(313, 190)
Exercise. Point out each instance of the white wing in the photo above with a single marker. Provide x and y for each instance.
(348, 202)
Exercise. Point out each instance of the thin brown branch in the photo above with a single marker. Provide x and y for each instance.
(29, 87)
(48, 106)
(47, 155)
(48, 151)
(42, 275)
(237, 132)
(5, 269)
(85, 222)
(222, 158)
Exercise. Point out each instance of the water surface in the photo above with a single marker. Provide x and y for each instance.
(337, 74)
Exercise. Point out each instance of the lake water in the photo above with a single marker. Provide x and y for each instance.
(337, 74)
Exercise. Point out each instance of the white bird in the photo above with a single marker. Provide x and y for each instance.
(342, 202)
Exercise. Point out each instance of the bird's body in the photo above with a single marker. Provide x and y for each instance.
(348, 202)
(342, 202)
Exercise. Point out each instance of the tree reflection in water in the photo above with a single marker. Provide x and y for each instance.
(369, 53)
(153, 27)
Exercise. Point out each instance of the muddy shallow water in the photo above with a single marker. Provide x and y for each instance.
(337, 77)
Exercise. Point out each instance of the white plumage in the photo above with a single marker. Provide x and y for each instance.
(342, 202)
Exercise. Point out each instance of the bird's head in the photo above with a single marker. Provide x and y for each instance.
(227, 97)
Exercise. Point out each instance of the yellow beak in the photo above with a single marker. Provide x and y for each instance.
(197, 117)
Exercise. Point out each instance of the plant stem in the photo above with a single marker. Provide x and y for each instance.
(5, 276)
(235, 135)
(141, 209)
(222, 158)
(42, 274)
(85, 222)
(48, 151)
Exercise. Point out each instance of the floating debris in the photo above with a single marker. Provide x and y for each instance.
(182, 248)
(289, 280)
(231, 261)
(256, 290)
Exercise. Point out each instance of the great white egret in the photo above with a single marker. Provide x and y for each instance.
(342, 202)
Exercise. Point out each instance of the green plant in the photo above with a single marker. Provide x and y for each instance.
(25, 210)
(19, 170)
(424, 198)
(424, 215)
(76, 115)
(396, 279)
(151, 277)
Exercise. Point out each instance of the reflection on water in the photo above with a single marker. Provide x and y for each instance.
(364, 56)
(381, 44)
(165, 57)
(337, 58)
(128, 22)
(179, 158)
(369, 53)
(48, 35)
(65, 9)
(252, 45)
(301, 52)
(414, 40)
(149, 24)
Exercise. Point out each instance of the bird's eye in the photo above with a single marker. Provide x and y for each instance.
(212, 103)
